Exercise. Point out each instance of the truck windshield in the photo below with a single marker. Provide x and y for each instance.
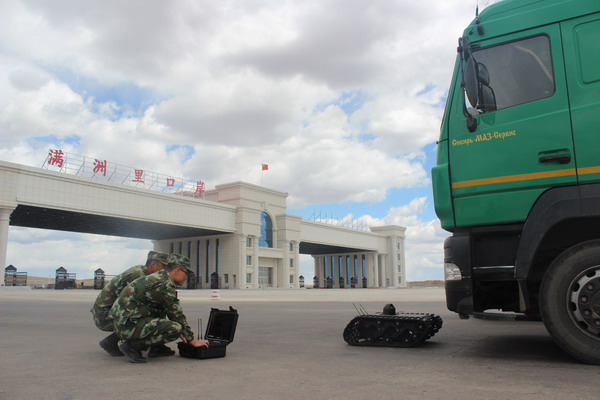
(513, 73)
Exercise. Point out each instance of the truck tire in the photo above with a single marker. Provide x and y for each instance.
(570, 301)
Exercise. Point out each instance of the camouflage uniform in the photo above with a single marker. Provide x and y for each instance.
(139, 312)
(111, 291)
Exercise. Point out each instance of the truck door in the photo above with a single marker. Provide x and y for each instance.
(581, 40)
(522, 144)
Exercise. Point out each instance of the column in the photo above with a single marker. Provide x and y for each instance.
(323, 270)
(394, 262)
(316, 262)
(255, 262)
(4, 223)
(384, 276)
(241, 274)
(320, 271)
(296, 256)
(402, 262)
(369, 270)
(339, 262)
(285, 270)
(376, 270)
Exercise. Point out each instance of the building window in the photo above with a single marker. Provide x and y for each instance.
(248, 278)
(348, 268)
(291, 278)
(248, 241)
(291, 264)
(291, 246)
(266, 231)
(398, 256)
(226, 278)
(248, 260)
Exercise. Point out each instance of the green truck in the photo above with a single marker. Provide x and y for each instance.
(517, 180)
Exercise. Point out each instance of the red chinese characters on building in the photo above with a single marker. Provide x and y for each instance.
(55, 157)
(100, 166)
(170, 182)
(199, 189)
(139, 176)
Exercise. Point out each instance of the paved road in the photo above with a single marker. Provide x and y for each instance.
(288, 345)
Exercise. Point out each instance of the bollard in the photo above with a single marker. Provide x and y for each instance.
(216, 295)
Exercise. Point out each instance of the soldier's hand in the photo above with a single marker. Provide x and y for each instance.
(199, 343)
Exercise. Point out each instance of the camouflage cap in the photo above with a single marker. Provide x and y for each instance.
(162, 258)
(178, 259)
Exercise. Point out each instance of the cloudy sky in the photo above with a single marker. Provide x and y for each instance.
(341, 98)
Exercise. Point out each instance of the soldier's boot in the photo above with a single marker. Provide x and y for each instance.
(131, 352)
(160, 350)
(111, 345)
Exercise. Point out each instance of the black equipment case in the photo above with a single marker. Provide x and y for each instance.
(219, 332)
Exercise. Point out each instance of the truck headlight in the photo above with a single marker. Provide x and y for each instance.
(452, 272)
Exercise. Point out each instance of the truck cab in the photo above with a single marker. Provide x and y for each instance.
(517, 179)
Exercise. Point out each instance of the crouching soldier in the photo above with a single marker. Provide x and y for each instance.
(109, 294)
(148, 314)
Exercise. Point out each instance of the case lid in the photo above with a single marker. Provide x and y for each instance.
(221, 325)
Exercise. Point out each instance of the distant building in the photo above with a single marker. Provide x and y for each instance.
(14, 278)
(265, 249)
(238, 235)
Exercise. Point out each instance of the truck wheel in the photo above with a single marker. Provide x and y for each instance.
(570, 301)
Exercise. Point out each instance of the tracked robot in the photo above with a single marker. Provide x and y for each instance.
(391, 329)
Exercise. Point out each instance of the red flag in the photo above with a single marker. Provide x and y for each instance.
(265, 167)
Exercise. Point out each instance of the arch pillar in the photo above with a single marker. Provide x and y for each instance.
(4, 224)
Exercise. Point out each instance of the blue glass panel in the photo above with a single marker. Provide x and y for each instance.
(266, 231)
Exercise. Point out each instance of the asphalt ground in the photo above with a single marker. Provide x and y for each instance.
(288, 345)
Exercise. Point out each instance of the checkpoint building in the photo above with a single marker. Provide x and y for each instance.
(239, 232)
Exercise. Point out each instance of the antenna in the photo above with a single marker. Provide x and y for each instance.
(479, 27)
(360, 309)
(364, 309)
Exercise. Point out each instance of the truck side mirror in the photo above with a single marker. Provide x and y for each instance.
(470, 79)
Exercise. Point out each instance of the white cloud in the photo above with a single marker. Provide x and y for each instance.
(339, 97)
